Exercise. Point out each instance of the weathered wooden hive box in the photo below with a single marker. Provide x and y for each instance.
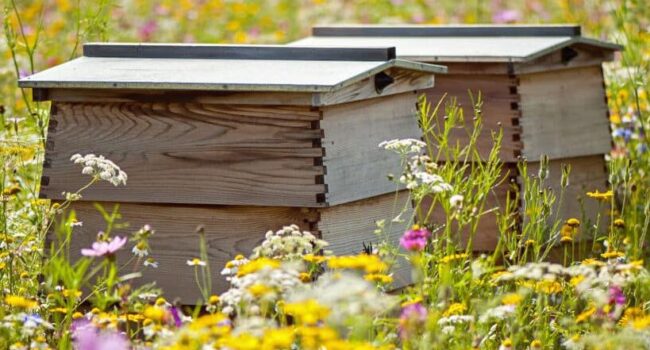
(542, 85)
(240, 139)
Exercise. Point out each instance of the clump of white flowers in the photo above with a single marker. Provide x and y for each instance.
(403, 146)
(346, 295)
(288, 243)
(101, 168)
(265, 286)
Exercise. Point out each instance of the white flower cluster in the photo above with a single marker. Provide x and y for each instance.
(403, 146)
(419, 175)
(288, 243)
(266, 285)
(100, 167)
(232, 267)
(497, 313)
(347, 295)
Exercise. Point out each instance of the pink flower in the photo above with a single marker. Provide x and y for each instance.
(506, 16)
(415, 239)
(86, 336)
(412, 317)
(105, 248)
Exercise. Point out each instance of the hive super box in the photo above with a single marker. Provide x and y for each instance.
(240, 139)
(542, 85)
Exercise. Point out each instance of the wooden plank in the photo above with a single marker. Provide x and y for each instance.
(499, 110)
(564, 114)
(487, 233)
(570, 57)
(587, 174)
(349, 226)
(205, 97)
(404, 81)
(229, 230)
(190, 153)
(356, 168)
(238, 52)
(482, 30)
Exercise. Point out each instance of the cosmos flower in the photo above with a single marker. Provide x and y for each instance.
(415, 239)
(104, 248)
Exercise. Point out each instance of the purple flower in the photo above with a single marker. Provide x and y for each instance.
(616, 295)
(415, 239)
(86, 336)
(506, 16)
(147, 30)
(104, 248)
(176, 316)
(413, 316)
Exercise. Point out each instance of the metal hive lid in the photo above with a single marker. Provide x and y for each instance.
(458, 43)
(221, 67)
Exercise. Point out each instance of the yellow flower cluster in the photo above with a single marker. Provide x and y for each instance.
(307, 312)
(455, 309)
(257, 265)
(369, 263)
(20, 302)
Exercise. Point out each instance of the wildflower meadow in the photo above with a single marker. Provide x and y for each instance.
(552, 282)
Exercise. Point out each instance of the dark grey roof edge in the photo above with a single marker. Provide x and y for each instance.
(578, 40)
(447, 30)
(248, 52)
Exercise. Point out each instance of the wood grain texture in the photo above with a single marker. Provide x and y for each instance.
(499, 109)
(487, 233)
(588, 174)
(564, 114)
(190, 153)
(206, 97)
(405, 81)
(585, 56)
(349, 226)
(229, 231)
(356, 168)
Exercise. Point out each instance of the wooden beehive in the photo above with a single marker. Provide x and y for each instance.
(542, 85)
(240, 139)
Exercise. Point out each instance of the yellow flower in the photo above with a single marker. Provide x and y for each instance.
(573, 222)
(411, 302)
(512, 299)
(161, 301)
(536, 344)
(612, 255)
(630, 315)
(585, 315)
(507, 343)
(257, 265)
(239, 257)
(305, 277)
(77, 315)
(575, 281)
(75, 293)
(315, 259)
(213, 300)
(566, 239)
(592, 262)
(59, 310)
(453, 257)
(641, 323)
(455, 309)
(154, 313)
(259, 289)
(279, 339)
(548, 287)
(379, 278)
(367, 262)
(306, 312)
(20, 302)
(529, 242)
(619, 223)
(604, 196)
